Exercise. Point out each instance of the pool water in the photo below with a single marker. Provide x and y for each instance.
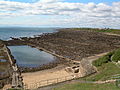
(27, 56)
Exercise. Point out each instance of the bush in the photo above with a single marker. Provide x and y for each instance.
(116, 56)
(104, 59)
(101, 60)
(111, 56)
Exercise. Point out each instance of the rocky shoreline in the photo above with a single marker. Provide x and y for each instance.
(72, 44)
(68, 43)
(50, 65)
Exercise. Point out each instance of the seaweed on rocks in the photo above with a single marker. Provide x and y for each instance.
(50, 65)
(75, 44)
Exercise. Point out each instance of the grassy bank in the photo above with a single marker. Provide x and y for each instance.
(113, 56)
(113, 31)
(106, 67)
(88, 86)
(106, 71)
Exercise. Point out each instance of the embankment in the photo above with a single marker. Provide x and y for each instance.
(5, 67)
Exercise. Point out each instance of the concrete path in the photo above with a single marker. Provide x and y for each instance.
(16, 77)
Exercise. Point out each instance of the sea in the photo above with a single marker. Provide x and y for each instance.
(7, 32)
(27, 56)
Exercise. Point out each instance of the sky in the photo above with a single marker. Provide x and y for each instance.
(60, 13)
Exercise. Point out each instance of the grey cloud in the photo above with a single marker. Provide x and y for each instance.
(78, 13)
(57, 7)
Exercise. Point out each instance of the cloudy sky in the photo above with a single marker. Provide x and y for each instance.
(60, 13)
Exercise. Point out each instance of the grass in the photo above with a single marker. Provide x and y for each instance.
(105, 67)
(106, 71)
(111, 56)
(109, 31)
(102, 60)
(114, 31)
(88, 86)
(116, 56)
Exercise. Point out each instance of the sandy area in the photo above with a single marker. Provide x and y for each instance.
(33, 78)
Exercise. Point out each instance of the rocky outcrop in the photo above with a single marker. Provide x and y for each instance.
(71, 44)
(75, 44)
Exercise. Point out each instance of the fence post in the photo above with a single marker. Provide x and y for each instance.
(47, 82)
(57, 80)
(65, 78)
(25, 87)
(39, 84)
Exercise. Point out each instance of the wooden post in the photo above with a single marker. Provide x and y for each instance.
(57, 80)
(39, 84)
(65, 78)
(47, 82)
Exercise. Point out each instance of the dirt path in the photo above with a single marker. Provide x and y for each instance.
(112, 34)
(34, 77)
(95, 57)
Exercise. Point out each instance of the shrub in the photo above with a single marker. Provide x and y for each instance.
(104, 59)
(101, 60)
(116, 56)
(110, 54)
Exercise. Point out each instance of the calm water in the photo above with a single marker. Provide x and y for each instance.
(6, 33)
(30, 57)
(25, 55)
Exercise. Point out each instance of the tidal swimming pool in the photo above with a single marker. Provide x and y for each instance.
(27, 56)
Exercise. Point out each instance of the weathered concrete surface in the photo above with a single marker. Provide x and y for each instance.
(16, 75)
(5, 68)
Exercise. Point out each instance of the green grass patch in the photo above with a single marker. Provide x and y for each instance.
(114, 31)
(106, 68)
(104, 59)
(105, 72)
(116, 56)
(88, 86)
(112, 56)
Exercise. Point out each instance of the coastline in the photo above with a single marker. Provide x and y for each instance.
(64, 43)
(71, 47)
